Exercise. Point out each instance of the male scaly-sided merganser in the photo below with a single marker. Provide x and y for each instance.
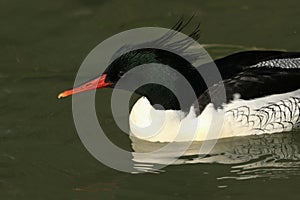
(262, 93)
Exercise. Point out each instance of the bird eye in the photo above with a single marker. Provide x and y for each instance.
(121, 73)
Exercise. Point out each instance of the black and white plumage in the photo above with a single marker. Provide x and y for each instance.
(283, 63)
(269, 94)
(263, 96)
(256, 74)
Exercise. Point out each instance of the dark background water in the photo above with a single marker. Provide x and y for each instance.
(42, 46)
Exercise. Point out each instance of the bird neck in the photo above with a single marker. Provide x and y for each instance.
(171, 93)
(178, 96)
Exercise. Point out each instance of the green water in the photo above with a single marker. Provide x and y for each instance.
(42, 44)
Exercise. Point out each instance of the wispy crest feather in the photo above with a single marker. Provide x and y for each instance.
(179, 47)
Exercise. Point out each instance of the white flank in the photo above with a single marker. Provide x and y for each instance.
(276, 113)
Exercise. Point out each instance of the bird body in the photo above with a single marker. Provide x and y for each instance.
(265, 115)
(262, 96)
(262, 92)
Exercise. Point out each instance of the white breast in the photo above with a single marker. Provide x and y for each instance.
(270, 114)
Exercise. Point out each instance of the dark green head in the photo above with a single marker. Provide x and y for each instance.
(158, 94)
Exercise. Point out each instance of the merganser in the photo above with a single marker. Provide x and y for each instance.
(262, 94)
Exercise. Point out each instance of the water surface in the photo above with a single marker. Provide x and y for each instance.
(42, 46)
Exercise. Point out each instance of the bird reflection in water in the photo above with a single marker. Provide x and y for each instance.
(269, 155)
